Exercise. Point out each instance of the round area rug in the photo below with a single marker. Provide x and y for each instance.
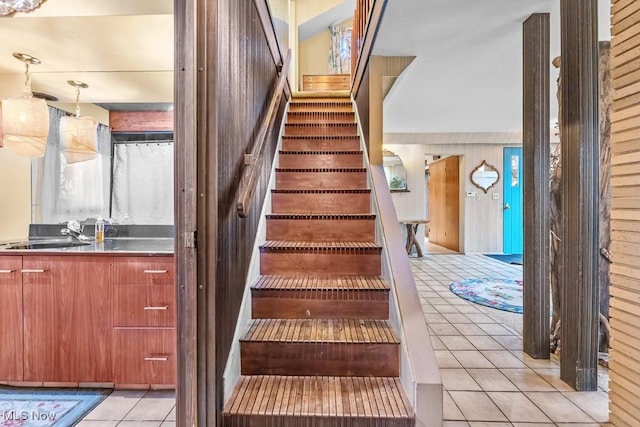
(503, 294)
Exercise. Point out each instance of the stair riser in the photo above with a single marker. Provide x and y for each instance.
(301, 144)
(319, 230)
(321, 130)
(321, 203)
(313, 358)
(316, 421)
(338, 108)
(319, 161)
(320, 117)
(308, 304)
(319, 263)
(321, 180)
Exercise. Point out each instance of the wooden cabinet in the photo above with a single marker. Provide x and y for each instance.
(67, 318)
(144, 320)
(11, 344)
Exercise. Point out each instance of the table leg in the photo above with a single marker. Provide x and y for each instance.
(409, 238)
(415, 240)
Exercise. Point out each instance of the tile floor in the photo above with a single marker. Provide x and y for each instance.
(488, 380)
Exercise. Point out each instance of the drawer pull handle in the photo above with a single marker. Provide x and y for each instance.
(34, 271)
(163, 307)
(156, 271)
(156, 358)
(6, 271)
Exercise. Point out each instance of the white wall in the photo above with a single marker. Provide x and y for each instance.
(15, 195)
(481, 218)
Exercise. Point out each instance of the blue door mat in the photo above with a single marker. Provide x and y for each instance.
(44, 407)
(515, 259)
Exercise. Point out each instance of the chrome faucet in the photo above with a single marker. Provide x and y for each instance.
(74, 230)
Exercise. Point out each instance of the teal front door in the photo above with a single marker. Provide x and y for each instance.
(513, 225)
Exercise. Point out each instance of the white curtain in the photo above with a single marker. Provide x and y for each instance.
(143, 183)
(62, 191)
(340, 50)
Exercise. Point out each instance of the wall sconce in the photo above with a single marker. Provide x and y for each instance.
(25, 120)
(78, 135)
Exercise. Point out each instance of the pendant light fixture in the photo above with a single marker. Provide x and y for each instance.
(78, 135)
(25, 120)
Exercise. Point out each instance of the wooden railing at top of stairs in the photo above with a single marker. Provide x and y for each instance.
(253, 161)
(366, 21)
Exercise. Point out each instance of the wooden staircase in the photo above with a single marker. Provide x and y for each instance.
(320, 350)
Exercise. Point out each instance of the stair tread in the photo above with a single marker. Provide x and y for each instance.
(350, 331)
(326, 170)
(319, 191)
(323, 124)
(321, 137)
(320, 282)
(309, 396)
(321, 216)
(297, 244)
(318, 152)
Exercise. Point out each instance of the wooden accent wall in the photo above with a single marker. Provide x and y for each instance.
(444, 203)
(141, 121)
(625, 215)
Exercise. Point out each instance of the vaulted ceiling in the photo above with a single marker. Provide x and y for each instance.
(467, 75)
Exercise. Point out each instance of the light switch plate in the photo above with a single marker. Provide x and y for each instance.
(471, 194)
(495, 196)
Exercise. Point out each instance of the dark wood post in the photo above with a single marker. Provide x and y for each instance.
(580, 189)
(536, 63)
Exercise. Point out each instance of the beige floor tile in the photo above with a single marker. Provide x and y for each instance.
(535, 363)
(490, 424)
(139, 424)
(449, 409)
(172, 415)
(435, 318)
(472, 359)
(559, 408)
(484, 342)
(552, 376)
(534, 424)
(457, 343)
(478, 317)
(494, 329)
(97, 424)
(446, 308)
(458, 379)
(429, 309)
(115, 406)
(527, 380)
(476, 406)
(455, 424)
(437, 343)
(155, 406)
(168, 424)
(441, 329)
(580, 425)
(503, 359)
(468, 309)
(446, 359)
(469, 329)
(492, 380)
(457, 318)
(594, 403)
(517, 407)
(510, 342)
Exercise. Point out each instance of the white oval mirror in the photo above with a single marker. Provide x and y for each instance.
(485, 176)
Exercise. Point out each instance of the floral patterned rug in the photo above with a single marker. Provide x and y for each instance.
(502, 294)
(46, 407)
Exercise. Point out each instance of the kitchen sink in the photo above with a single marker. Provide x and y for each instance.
(44, 244)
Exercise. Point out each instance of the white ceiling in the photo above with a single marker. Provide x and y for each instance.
(467, 75)
(123, 49)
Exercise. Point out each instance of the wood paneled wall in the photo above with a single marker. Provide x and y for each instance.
(245, 79)
(444, 203)
(625, 215)
(141, 121)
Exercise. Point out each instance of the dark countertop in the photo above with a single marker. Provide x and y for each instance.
(111, 246)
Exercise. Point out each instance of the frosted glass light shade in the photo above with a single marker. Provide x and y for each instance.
(79, 138)
(25, 126)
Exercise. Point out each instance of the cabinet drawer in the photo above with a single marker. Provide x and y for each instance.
(147, 305)
(144, 356)
(10, 267)
(144, 271)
